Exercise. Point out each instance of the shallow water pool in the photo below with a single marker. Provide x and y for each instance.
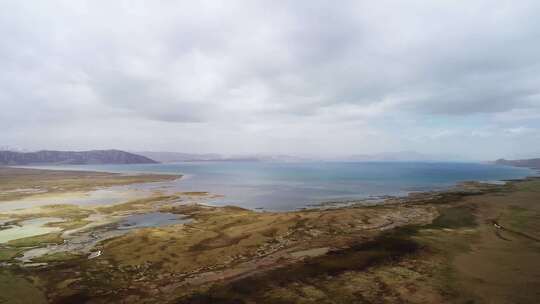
(29, 228)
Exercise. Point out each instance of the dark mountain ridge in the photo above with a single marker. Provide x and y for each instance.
(72, 157)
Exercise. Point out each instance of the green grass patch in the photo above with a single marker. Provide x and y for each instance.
(532, 185)
(454, 218)
(520, 218)
(49, 238)
(15, 289)
(70, 224)
(7, 253)
(56, 257)
(138, 203)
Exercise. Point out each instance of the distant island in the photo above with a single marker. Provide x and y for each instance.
(72, 157)
(533, 163)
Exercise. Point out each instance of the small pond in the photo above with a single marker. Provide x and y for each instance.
(152, 219)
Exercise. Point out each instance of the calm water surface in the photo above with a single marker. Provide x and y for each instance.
(151, 219)
(286, 186)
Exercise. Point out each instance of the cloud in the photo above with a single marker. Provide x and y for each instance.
(240, 66)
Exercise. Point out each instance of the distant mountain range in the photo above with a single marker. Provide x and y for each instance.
(397, 156)
(171, 157)
(533, 163)
(121, 157)
(72, 157)
(168, 157)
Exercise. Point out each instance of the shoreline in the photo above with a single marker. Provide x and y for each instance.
(17, 183)
(331, 203)
(424, 234)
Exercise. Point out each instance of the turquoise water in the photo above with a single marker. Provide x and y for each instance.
(286, 186)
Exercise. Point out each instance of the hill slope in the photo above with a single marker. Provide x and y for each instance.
(72, 157)
(529, 163)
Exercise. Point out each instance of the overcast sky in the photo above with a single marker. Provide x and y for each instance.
(294, 77)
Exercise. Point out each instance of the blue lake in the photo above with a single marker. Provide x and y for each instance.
(286, 186)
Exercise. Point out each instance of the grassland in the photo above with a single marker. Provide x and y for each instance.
(458, 258)
(476, 245)
(8, 253)
(43, 239)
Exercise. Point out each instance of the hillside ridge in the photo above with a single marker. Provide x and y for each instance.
(73, 157)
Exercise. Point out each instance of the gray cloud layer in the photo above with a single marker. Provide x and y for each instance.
(314, 77)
